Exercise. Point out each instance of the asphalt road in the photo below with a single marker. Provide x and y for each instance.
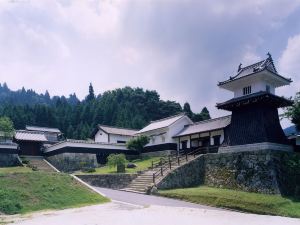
(147, 200)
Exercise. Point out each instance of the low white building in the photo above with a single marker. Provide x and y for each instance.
(161, 133)
(108, 134)
(208, 134)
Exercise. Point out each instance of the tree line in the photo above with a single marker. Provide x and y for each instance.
(123, 107)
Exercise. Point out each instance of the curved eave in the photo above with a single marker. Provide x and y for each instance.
(255, 98)
(285, 81)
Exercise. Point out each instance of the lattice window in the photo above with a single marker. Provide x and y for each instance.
(247, 90)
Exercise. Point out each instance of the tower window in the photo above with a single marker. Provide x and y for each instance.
(268, 88)
(247, 90)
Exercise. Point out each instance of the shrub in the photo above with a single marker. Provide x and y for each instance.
(138, 143)
(117, 160)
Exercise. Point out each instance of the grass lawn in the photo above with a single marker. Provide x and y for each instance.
(243, 201)
(26, 192)
(16, 169)
(142, 164)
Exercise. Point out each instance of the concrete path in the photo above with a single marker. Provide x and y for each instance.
(123, 214)
(148, 200)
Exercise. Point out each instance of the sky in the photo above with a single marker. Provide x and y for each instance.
(181, 48)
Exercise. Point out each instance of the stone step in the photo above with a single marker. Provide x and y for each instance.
(39, 163)
(133, 190)
(133, 183)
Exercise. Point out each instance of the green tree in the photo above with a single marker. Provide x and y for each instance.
(91, 95)
(187, 110)
(6, 127)
(138, 143)
(293, 112)
(117, 160)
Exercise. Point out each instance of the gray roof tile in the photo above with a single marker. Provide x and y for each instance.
(24, 135)
(117, 130)
(162, 123)
(266, 64)
(43, 129)
(205, 126)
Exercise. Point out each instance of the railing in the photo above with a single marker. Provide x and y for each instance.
(178, 158)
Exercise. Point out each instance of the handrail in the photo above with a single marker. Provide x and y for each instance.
(181, 155)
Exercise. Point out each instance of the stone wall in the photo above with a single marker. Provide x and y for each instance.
(9, 160)
(114, 181)
(263, 171)
(69, 162)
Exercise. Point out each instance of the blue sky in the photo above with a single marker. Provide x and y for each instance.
(179, 48)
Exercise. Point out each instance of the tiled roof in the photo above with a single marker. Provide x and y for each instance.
(162, 123)
(266, 64)
(117, 130)
(43, 129)
(205, 126)
(280, 101)
(25, 135)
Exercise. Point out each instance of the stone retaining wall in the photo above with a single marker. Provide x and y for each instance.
(114, 181)
(9, 160)
(69, 162)
(263, 171)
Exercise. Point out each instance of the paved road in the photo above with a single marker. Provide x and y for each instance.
(122, 214)
(144, 210)
(147, 200)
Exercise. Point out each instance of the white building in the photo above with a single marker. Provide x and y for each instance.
(207, 134)
(161, 132)
(108, 134)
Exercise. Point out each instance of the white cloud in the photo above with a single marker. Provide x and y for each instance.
(93, 19)
(179, 48)
(289, 65)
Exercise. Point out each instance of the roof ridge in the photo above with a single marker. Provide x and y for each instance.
(41, 127)
(102, 125)
(208, 120)
(31, 131)
(169, 117)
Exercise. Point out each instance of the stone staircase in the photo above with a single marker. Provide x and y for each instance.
(150, 178)
(39, 163)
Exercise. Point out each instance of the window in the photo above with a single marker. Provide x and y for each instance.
(184, 145)
(217, 140)
(247, 90)
(121, 142)
(194, 143)
(268, 88)
(163, 139)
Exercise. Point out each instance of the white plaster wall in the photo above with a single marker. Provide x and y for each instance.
(157, 138)
(215, 133)
(256, 86)
(101, 136)
(114, 138)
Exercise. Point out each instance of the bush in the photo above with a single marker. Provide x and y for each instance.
(117, 160)
(138, 143)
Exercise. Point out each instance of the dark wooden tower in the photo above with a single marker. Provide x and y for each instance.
(255, 121)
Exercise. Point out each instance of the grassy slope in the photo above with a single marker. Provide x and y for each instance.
(26, 192)
(142, 164)
(17, 169)
(244, 201)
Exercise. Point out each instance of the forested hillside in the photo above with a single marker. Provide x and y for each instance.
(125, 107)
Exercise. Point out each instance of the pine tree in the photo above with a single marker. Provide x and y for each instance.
(91, 95)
